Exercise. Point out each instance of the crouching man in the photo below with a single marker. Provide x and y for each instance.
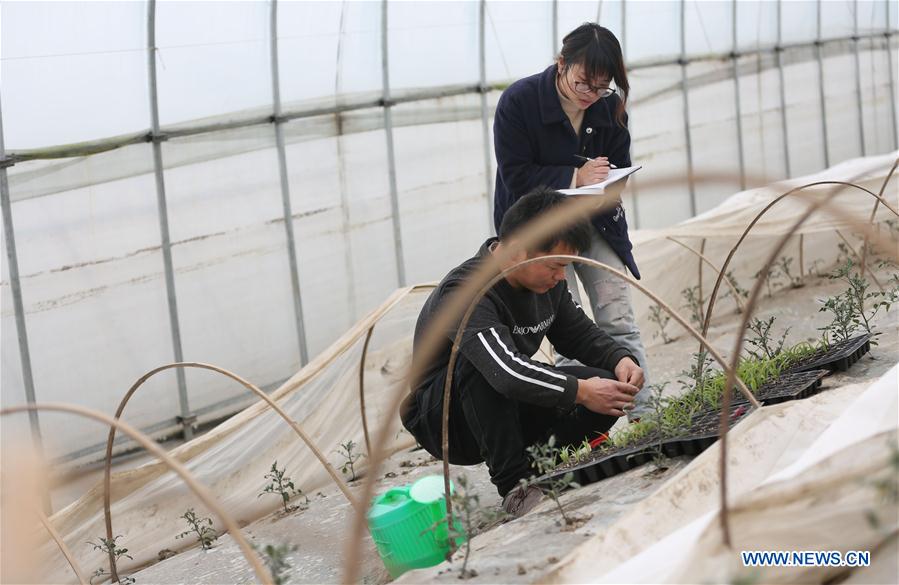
(503, 401)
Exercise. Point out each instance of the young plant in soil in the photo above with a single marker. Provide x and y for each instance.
(772, 278)
(544, 457)
(572, 455)
(783, 264)
(275, 559)
(283, 486)
(855, 308)
(742, 292)
(467, 509)
(657, 403)
(693, 303)
(762, 339)
(107, 546)
(200, 526)
(661, 319)
(350, 457)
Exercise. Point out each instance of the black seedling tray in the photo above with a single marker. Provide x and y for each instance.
(838, 357)
(791, 386)
(787, 386)
(606, 466)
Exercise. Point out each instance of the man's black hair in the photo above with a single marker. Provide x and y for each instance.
(577, 235)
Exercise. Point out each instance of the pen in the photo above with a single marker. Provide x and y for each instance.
(588, 159)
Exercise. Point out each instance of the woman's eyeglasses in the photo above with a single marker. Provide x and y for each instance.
(585, 88)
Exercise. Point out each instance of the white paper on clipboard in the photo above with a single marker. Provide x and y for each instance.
(615, 175)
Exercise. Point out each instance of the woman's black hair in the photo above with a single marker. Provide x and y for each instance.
(538, 201)
(597, 50)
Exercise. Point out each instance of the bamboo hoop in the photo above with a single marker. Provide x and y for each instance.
(63, 548)
(362, 388)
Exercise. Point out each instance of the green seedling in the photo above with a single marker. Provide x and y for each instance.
(783, 265)
(772, 278)
(660, 318)
(693, 303)
(467, 509)
(283, 486)
(202, 527)
(742, 292)
(350, 457)
(275, 559)
(544, 457)
(109, 546)
(855, 308)
(762, 339)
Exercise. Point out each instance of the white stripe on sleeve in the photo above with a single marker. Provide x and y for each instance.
(524, 363)
(514, 373)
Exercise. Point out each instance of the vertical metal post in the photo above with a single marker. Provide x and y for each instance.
(391, 155)
(285, 185)
(555, 20)
(739, 116)
(858, 78)
(157, 138)
(778, 50)
(15, 285)
(485, 116)
(801, 256)
(819, 57)
(888, 36)
(635, 192)
(684, 90)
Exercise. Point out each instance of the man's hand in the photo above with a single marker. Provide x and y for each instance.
(628, 371)
(606, 396)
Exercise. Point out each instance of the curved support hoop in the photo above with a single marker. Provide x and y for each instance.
(107, 473)
(62, 546)
(711, 265)
(813, 207)
(362, 388)
(589, 261)
(713, 297)
(144, 441)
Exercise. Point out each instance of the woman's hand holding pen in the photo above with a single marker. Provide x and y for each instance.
(593, 171)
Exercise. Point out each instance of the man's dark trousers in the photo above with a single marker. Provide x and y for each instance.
(486, 426)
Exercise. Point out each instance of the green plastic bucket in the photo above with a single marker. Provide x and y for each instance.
(401, 520)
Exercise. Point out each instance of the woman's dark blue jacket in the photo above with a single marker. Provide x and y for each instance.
(535, 145)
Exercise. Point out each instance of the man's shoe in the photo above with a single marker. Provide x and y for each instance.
(522, 500)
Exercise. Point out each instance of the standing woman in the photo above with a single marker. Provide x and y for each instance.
(545, 126)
